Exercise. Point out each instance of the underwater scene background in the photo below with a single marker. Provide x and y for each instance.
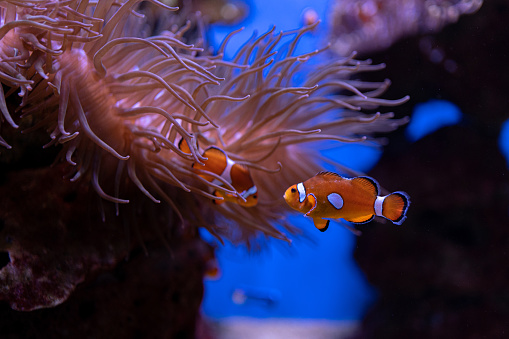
(443, 273)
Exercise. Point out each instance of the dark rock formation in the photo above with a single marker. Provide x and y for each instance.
(444, 273)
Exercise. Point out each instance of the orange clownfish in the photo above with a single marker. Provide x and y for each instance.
(237, 175)
(328, 195)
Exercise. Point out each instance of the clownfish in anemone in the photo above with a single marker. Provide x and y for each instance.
(216, 161)
(328, 195)
(116, 97)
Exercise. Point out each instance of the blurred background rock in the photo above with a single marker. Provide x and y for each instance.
(444, 274)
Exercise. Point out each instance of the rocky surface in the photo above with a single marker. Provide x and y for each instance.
(136, 275)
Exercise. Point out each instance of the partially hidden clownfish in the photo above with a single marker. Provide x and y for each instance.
(237, 175)
(328, 195)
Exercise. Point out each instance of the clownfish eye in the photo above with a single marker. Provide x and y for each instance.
(255, 196)
(294, 190)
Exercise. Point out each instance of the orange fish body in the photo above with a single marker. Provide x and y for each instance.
(330, 196)
(237, 175)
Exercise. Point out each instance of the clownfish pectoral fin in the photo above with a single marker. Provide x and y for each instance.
(366, 184)
(361, 220)
(311, 201)
(395, 206)
(321, 224)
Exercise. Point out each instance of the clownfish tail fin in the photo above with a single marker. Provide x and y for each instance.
(395, 206)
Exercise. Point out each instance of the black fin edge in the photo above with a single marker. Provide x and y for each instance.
(217, 149)
(325, 228)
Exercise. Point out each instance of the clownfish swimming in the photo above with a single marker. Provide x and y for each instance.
(236, 174)
(328, 195)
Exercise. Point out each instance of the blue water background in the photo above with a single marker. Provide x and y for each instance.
(430, 116)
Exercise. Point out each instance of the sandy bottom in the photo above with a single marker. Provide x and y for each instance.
(251, 328)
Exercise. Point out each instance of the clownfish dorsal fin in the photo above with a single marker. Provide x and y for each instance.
(328, 174)
(361, 220)
(366, 184)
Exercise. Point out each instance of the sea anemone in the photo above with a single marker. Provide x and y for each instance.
(119, 101)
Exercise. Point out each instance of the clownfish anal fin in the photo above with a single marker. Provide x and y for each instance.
(361, 220)
(366, 184)
(321, 224)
